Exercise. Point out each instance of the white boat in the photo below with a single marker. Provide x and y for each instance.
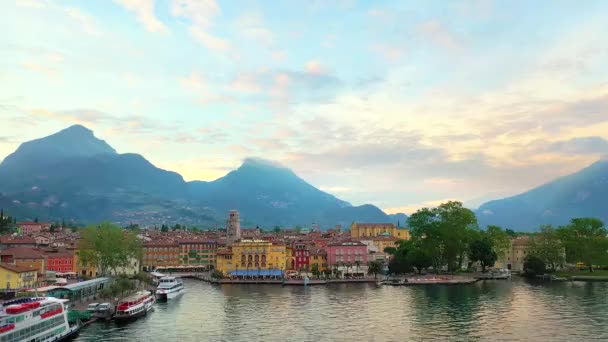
(134, 306)
(36, 319)
(169, 287)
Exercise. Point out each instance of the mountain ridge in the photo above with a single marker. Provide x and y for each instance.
(74, 175)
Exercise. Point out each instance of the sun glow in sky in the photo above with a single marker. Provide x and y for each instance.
(397, 103)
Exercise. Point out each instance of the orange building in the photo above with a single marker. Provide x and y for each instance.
(25, 257)
(160, 253)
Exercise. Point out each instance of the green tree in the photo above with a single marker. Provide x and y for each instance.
(277, 229)
(108, 247)
(375, 268)
(390, 250)
(533, 265)
(500, 240)
(315, 270)
(547, 246)
(444, 233)
(419, 259)
(482, 250)
(585, 241)
(164, 228)
(510, 232)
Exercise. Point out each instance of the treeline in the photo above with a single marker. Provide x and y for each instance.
(448, 236)
(8, 224)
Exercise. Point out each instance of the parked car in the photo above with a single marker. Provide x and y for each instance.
(92, 307)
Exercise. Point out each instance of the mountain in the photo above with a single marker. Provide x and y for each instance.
(399, 219)
(74, 175)
(582, 194)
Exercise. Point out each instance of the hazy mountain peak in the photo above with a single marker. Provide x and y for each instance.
(74, 141)
(262, 163)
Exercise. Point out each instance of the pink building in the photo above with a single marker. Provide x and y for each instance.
(346, 255)
(32, 227)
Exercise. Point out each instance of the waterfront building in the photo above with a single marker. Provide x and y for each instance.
(252, 255)
(25, 257)
(83, 270)
(162, 253)
(233, 227)
(361, 230)
(300, 256)
(197, 251)
(17, 277)
(513, 258)
(59, 261)
(347, 256)
(318, 256)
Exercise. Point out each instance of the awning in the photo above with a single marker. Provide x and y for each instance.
(256, 273)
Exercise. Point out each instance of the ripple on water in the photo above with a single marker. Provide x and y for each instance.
(485, 311)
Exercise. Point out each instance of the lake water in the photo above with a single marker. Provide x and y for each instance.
(488, 311)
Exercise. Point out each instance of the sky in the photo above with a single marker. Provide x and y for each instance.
(402, 104)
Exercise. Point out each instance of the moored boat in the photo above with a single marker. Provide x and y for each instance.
(169, 288)
(134, 306)
(36, 319)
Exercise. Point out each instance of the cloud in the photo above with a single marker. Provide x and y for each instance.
(87, 22)
(196, 83)
(252, 26)
(144, 12)
(582, 145)
(210, 41)
(200, 12)
(315, 68)
(245, 83)
(390, 53)
(438, 34)
(412, 208)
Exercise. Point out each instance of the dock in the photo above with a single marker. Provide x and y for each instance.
(438, 280)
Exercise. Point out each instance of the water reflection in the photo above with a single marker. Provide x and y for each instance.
(489, 311)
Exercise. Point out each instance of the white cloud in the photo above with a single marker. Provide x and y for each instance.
(144, 11)
(200, 12)
(252, 26)
(315, 68)
(88, 23)
(210, 41)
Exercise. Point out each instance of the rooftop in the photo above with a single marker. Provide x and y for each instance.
(18, 269)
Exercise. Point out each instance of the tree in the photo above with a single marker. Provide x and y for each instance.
(108, 247)
(444, 233)
(585, 241)
(374, 267)
(419, 259)
(481, 250)
(499, 239)
(548, 247)
(277, 229)
(315, 270)
(164, 228)
(533, 265)
(36, 220)
(390, 250)
(216, 274)
(298, 229)
(510, 232)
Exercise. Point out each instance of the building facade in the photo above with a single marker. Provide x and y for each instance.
(300, 256)
(160, 254)
(26, 258)
(362, 230)
(233, 227)
(318, 257)
(347, 257)
(59, 261)
(17, 277)
(197, 252)
(252, 255)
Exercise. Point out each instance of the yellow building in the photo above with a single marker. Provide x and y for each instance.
(318, 257)
(513, 257)
(82, 270)
(361, 230)
(252, 255)
(17, 277)
(383, 241)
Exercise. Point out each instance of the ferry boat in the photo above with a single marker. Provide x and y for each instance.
(168, 288)
(36, 319)
(134, 306)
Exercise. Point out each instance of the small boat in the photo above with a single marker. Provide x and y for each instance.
(134, 306)
(168, 288)
(36, 319)
(103, 311)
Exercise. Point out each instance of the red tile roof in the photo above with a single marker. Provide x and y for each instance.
(18, 269)
(23, 253)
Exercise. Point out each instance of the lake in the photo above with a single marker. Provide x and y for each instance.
(498, 310)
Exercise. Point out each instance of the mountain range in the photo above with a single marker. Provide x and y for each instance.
(581, 194)
(73, 175)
